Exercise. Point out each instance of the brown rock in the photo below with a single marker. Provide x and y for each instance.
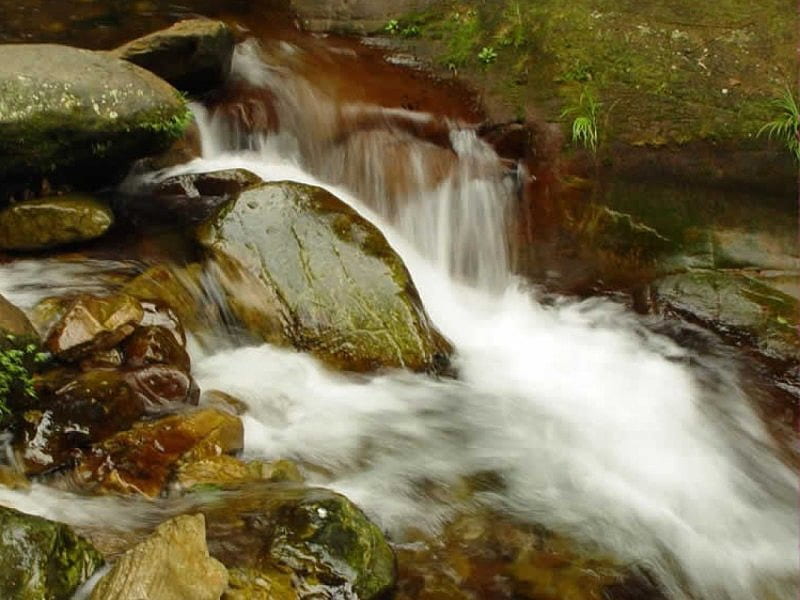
(93, 323)
(143, 459)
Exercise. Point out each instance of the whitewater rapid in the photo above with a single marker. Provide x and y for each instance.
(598, 428)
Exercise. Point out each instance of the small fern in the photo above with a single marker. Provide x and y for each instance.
(786, 125)
(584, 125)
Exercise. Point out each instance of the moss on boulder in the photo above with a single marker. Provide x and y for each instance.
(300, 267)
(40, 559)
(74, 115)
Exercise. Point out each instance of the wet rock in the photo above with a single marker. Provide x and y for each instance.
(265, 584)
(14, 322)
(73, 410)
(93, 323)
(193, 55)
(143, 459)
(11, 478)
(172, 564)
(154, 345)
(738, 306)
(163, 388)
(51, 222)
(79, 116)
(40, 559)
(186, 199)
(485, 555)
(318, 536)
(104, 359)
(185, 149)
(300, 267)
(223, 401)
(225, 471)
(160, 315)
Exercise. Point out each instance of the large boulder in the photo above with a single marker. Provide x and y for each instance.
(50, 222)
(79, 116)
(302, 268)
(172, 564)
(145, 458)
(193, 55)
(40, 559)
(305, 539)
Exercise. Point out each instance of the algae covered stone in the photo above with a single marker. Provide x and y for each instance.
(75, 115)
(51, 222)
(40, 559)
(300, 267)
(265, 530)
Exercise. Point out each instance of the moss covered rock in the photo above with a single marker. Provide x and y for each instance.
(40, 559)
(50, 222)
(193, 55)
(266, 531)
(74, 115)
(300, 267)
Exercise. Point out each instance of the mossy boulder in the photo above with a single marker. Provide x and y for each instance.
(319, 536)
(193, 55)
(40, 559)
(302, 268)
(51, 222)
(77, 116)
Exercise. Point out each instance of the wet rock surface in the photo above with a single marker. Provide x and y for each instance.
(172, 564)
(51, 222)
(144, 459)
(301, 267)
(76, 115)
(40, 559)
(193, 55)
(301, 539)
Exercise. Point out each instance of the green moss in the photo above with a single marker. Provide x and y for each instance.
(673, 71)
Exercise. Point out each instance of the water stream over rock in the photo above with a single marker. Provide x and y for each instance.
(589, 423)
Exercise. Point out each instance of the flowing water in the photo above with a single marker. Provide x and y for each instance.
(597, 427)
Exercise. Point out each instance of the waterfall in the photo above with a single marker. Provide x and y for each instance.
(599, 428)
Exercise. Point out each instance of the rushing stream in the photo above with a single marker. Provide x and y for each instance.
(598, 428)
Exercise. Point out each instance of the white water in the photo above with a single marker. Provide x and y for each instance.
(597, 426)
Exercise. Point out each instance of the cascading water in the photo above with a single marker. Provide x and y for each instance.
(597, 427)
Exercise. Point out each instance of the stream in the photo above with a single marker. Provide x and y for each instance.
(598, 428)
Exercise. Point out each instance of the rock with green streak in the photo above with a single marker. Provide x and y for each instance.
(323, 539)
(302, 268)
(736, 305)
(77, 116)
(51, 222)
(40, 559)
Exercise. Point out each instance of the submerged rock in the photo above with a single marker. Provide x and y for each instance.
(40, 559)
(313, 540)
(193, 55)
(144, 459)
(94, 323)
(50, 222)
(74, 115)
(300, 267)
(172, 564)
(224, 471)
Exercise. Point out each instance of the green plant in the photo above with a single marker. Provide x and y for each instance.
(584, 125)
(786, 125)
(15, 372)
(410, 31)
(487, 55)
(392, 27)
